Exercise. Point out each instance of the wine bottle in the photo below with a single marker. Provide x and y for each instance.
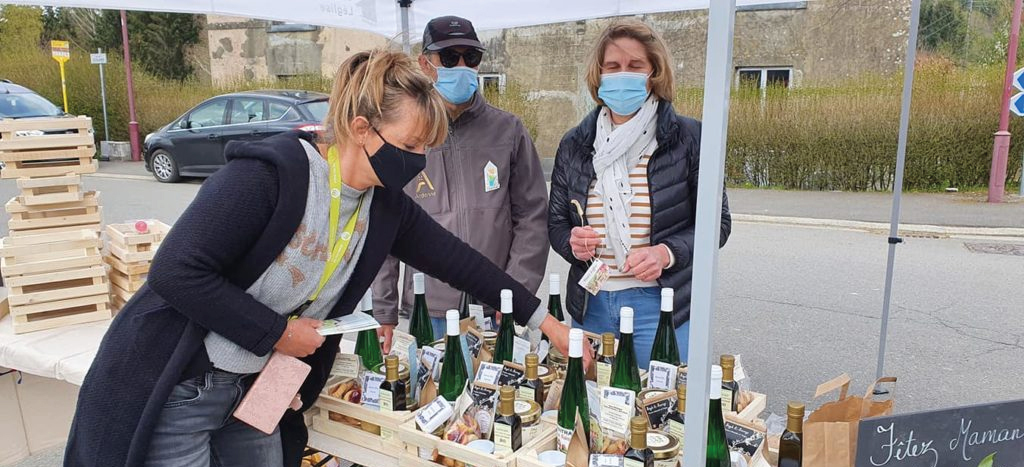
(625, 374)
(367, 342)
(465, 300)
(574, 395)
(666, 349)
(393, 395)
(718, 449)
(554, 301)
(504, 348)
(605, 360)
(508, 426)
(532, 388)
(638, 454)
(791, 446)
(453, 368)
(419, 323)
(730, 388)
(677, 419)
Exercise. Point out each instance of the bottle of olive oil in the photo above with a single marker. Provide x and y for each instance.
(638, 454)
(677, 419)
(730, 388)
(532, 388)
(508, 427)
(393, 396)
(605, 360)
(791, 446)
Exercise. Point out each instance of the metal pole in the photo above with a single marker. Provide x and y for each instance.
(103, 97)
(717, 85)
(1001, 147)
(897, 189)
(133, 124)
(404, 6)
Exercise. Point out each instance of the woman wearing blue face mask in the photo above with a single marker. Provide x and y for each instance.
(624, 191)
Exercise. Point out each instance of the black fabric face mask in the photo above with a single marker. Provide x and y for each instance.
(395, 167)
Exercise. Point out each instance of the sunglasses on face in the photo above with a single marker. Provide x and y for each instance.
(450, 57)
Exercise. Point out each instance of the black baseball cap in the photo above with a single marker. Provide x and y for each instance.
(450, 31)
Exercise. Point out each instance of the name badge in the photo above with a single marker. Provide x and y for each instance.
(491, 182)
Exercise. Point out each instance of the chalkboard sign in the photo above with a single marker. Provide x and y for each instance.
(659, 408)
(743, 438)
(990, 435)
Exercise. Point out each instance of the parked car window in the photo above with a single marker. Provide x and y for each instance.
(318, 109)
(279, 110)
(246, 110)
(210, 114)
(21, 105)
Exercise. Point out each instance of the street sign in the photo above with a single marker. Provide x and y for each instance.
(60, 50)
(98, 59)
(1017, 104)
(1018, 79)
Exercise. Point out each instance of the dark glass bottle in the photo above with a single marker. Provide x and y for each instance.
(554, 301)
(666, 349)
(508, 426)
(625, 374)
(453, 370)
(603, 364)
(718, 448)
(367, 342)
(638, 454)
(730, 388)
(532, 388)
(506, 344)
(419, 323)
(574, 394)
(465, 300)
(677, 419)
(393, 397)
(791, 446)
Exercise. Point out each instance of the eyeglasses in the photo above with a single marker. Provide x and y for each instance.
(450, 57)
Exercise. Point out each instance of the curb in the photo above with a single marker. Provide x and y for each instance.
(120, 176)
(908, 230)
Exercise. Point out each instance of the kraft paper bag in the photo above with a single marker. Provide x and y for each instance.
(830, 433)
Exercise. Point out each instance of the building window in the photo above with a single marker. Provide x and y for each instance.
(492, 82)
(763, 78)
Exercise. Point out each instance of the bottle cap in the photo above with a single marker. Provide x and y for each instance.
(554, 285)
(575, 343)
(728, 361)
(532, 359)
(506, 301)
(795, 409)
(716, 373)
(638, 424)
(507, 393)
(667, 297)
(418, 287)
(391, 362)
(452, 319)
(626, 320)
(608, 343)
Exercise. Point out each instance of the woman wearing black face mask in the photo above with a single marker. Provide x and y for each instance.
(286, 229)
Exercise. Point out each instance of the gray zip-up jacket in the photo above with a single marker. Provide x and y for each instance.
(505, 218)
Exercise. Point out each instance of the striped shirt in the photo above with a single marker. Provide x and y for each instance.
(639, 223)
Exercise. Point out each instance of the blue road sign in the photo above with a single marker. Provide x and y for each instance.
(1018, 79)
(1017, 104)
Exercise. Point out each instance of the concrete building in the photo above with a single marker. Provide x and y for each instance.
(793, 44)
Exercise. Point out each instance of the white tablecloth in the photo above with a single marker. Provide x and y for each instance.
(63, 353)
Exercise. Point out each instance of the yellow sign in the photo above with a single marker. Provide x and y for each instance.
(61, 52)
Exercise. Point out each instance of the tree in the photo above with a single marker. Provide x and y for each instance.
(20, 28)
(943, 25)
(160, 42)
(77, 25)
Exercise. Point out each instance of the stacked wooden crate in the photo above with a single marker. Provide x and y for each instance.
(130, 250)
(51, 259)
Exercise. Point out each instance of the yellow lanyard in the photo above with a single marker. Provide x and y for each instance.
(338, 246)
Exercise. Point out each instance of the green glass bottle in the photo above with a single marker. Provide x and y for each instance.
(419, 323)
(574, 395)
(625, 374)
(506, 344)
(666, 349)
(791, 446)
(453, 368)
(718, 449)
(464, 301)
(367, 342)
(555, 298)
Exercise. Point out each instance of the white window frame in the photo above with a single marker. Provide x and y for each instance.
(763, 85)
(501, 81)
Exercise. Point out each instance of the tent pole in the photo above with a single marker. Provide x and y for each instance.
(717, 83)
(404, 6)
(897, 189)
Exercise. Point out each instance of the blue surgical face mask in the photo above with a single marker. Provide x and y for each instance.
(457, 85)
(624, 93)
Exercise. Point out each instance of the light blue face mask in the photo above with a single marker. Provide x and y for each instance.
(624, 92)
(457, 85)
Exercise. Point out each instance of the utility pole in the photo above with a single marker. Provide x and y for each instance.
(1001, 148)
(133, 123)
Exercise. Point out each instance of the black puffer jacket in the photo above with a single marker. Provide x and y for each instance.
(672, 177)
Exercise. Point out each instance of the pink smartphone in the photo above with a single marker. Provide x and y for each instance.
(272, 392)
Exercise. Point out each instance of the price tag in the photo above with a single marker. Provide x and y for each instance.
(435, 414)
(347, 365)
(661, 376)
(606, 460)
(489, 373)
(477, 313)
(617, 409)
(402, 344)
(371, 388)
(521, 347)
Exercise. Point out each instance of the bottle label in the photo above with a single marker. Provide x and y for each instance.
(726, 400)
(657, 439)
(604, 374)
(526, 394)
(387, 404)
(502, 438)
(632, 463)
(564, 436)
(678, 430)
(530, 432)
(673, 462)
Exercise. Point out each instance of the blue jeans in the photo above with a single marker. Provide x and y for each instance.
(197, 429)
(603, 316)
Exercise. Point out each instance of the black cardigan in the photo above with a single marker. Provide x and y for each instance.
(237, 225)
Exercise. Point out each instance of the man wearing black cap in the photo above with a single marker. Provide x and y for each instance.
(484, 184)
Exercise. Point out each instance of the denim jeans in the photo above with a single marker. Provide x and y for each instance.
(603, 316)
(197, 429)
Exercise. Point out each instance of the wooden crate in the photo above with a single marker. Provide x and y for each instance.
(137, 270)
(131, 247)
(47, 253)
(753, 410)
(367, 418)
(414, 438)
(529, 457)
(53, 218)
(47, 155)
(51, 190)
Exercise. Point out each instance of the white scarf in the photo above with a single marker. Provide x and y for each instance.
(616, 153)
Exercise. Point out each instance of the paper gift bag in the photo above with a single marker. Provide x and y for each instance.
(830, 433)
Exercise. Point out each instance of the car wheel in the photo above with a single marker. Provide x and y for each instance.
(165, 169)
